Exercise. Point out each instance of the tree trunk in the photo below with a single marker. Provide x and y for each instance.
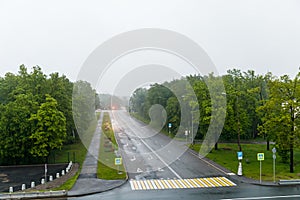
(239, 136)
(292, 157)
(216, 146)
(268, 144)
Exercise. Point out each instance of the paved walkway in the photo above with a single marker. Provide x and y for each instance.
(87, 182)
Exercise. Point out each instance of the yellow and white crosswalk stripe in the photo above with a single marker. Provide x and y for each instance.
(161, 184)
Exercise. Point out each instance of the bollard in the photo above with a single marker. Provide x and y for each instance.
(63, 172)
(43, 181)
(11, 189)
(57, 175)
(51, 178)
(23, 187)
(32, 184)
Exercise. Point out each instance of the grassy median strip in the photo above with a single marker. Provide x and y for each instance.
(107, 153)
(226, 156)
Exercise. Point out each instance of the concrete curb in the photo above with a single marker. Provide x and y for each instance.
(33, 195)
(97, 191)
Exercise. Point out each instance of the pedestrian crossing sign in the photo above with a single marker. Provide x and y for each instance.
(260, 156)
(118, 161)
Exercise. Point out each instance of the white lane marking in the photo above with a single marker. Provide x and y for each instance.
(160, 169)
(139, 170)
(172, 170)
(133, 158)
(208, 163)
(267, 197)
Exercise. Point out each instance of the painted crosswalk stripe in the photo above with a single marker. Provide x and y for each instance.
(228, 181)
(139, 185)
(160, 184)
(167, 183)
(150, 184)
(174, 183)
(199, 181)
(164, 184)
(153, 184)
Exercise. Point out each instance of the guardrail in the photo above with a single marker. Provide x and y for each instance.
(289, 182)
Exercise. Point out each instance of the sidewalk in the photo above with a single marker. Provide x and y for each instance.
(87, 182)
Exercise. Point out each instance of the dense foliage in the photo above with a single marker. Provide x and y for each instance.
(257, 106)
(36, 114)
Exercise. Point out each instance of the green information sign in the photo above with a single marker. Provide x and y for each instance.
(260, 156)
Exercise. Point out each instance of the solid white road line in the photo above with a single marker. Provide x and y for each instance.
(268, 197)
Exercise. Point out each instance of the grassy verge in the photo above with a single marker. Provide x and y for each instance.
(108, 145)
(226, 156)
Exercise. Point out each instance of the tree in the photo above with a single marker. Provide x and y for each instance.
(49, 128)
(280, 114)
(15, 129)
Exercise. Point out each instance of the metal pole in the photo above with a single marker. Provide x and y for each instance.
(46, 172)
(192, 129)
(274, 170)
(260, 171)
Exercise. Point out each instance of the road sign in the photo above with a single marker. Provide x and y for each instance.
(170, 125)
(118, 161)
(240, 155)
(274, 150)
(274, 156)
(260, 156)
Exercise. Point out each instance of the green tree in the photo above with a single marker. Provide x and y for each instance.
(280, 114)
(49, 128)
(15, 129)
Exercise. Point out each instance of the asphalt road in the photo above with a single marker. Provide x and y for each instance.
(150, 156)
(241, 192)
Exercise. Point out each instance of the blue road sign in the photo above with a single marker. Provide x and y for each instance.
(240, 155)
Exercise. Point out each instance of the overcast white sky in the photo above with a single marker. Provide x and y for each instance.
(60, 35)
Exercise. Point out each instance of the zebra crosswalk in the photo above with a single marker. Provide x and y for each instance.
(161, 184)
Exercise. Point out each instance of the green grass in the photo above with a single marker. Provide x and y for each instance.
(226, 156)
(69, 183)
(106, 164)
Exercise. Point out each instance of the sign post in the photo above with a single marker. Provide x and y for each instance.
(118, 162)
(274, 158)
(260, 157)
(186, 133)
(46, 170)
(240, 157)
